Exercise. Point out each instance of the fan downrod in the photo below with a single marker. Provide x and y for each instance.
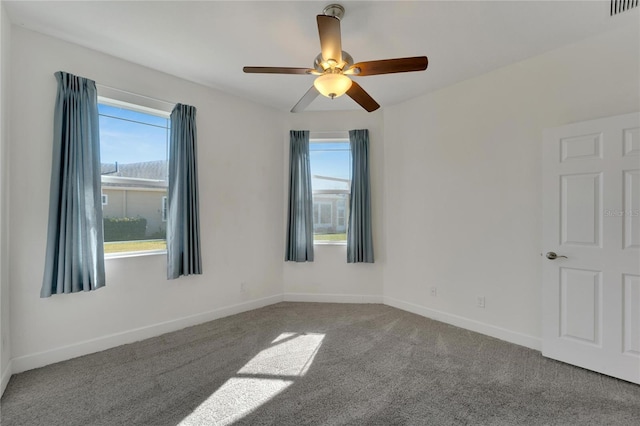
(335, 10)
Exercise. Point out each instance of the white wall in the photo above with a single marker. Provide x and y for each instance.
(241, 167)
(5, 337)
(455, 190)
(463, 185)
(329, 278)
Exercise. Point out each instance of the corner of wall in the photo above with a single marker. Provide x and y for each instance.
(501, 333)
(5, 337)
(5, 376)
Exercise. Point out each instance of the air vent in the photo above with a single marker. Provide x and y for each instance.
(619, 6)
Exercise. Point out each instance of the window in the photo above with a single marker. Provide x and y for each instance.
(322, 213)
(134, 144)
(105, 199)
(331, 183)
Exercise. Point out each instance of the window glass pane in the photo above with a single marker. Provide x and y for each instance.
(330, 181)
(130, 142)
(330, 165)
(329, 217)
(133, 151)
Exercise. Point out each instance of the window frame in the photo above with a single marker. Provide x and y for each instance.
(138, 103)
(323, 138)
(164, 207)
(343, 210)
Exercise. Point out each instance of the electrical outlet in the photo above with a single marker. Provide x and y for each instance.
(480, 302)
(243, 287)
(434, 291)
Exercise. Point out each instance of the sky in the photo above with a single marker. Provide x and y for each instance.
(133, 137)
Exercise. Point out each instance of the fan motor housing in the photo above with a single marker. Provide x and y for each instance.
(335, 10)
(347, 61)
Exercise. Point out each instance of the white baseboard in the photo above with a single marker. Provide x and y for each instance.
(332, 298)
(6, 376)
(29, 362)
(468, 324)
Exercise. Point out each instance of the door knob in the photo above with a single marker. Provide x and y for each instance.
(552, 256)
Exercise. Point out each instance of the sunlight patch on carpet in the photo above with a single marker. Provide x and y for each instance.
(236, 398)
(267, 374)
(288, 356)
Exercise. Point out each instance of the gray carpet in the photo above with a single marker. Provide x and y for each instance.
(318, 364)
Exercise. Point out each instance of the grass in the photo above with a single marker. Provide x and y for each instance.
(143, 245)
(330, 237)
(147, 245)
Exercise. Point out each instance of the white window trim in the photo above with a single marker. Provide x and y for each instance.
(125, 254)
(329, 243)
(141, 103)
(331, 191)
(330, 136)
(105, 199)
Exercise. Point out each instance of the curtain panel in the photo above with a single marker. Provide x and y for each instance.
(359, 235)
(299, 244)
(183, 221)
(74, 254)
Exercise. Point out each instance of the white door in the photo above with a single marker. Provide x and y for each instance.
(591, 215)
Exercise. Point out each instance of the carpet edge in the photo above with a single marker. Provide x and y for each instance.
(6, 376)
(510, 336)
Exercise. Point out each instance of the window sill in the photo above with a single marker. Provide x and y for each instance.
(134, 254)
(329, 243)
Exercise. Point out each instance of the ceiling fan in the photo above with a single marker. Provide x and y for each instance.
(333, 66)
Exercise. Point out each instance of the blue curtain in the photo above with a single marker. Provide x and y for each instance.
(300, 212)
(183, 222)
(75, 253)
(359, 236)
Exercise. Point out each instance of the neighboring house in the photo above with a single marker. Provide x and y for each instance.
(137, 190)
(330, 204)
(140, 190)
(330, 213)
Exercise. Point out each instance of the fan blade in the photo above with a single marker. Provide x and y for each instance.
(277, 70)
(389, 66)
(358, 94)
(330, 44)
(306, 99)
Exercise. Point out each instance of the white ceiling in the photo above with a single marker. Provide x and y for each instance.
(209, 42)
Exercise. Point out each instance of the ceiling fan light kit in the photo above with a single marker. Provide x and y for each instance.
(332, 85)
(333, 66)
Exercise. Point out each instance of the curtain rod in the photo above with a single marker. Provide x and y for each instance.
(135, 94)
